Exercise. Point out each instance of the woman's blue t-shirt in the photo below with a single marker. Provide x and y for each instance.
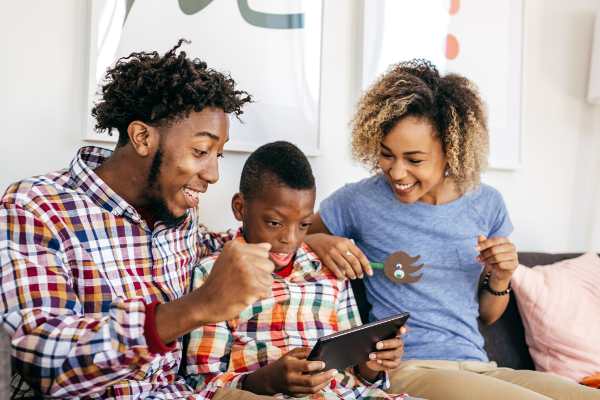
(443, 304)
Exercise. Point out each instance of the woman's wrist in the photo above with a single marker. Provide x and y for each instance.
(498, 284)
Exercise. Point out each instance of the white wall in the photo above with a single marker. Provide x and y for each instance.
(339, 90)
(552, 199)
(41, 86)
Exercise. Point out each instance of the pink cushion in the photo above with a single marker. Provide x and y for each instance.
(560, 308)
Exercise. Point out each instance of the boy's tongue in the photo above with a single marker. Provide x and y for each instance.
(281, 259)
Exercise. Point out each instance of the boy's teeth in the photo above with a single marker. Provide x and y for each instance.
(404, 187)
(191, 192)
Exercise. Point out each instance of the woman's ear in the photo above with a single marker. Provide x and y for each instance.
(237, 206)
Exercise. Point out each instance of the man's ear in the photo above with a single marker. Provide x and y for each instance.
(143, 138)
(237, 206)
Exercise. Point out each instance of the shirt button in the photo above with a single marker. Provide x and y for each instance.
(292, 314)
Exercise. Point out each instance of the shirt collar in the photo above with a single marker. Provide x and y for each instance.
(81, 168)
(305, 262)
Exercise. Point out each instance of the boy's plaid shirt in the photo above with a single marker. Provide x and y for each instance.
(79, 266)
(308, 304)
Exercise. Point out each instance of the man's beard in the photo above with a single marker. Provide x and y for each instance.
(157, 201)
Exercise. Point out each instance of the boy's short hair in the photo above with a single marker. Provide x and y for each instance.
(278, 163)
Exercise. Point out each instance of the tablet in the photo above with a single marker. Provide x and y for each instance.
(352, 347)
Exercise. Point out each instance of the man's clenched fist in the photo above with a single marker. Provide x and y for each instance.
(240, 277)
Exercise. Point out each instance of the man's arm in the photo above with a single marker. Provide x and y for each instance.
(240, 277)
(210, 346)
(55, 347)
(62, 353)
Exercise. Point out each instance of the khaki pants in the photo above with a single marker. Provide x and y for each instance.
(470, 380)
(235, 394)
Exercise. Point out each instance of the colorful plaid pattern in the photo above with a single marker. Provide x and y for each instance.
(308, 304)
(79, 266)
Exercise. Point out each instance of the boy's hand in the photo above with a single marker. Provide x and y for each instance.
(499, 255)
(340, 255)
(285, 376)
(388, 357)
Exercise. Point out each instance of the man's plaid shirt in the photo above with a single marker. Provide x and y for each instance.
(308, 304)
(79, 266)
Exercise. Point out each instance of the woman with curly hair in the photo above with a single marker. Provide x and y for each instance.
(425, 138)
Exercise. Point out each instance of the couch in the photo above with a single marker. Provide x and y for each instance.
(505, 338)
(5, 372)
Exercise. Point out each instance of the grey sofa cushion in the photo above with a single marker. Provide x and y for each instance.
(505, 338)
(5, 373)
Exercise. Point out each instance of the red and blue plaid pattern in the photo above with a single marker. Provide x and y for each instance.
(79, 266)
(308, 304)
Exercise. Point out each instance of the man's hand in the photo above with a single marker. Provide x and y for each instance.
(285, 376)
(498, 255)
(388, 357)
(240, 276)
(340, 255)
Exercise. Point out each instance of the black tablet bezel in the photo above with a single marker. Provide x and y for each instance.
(366, 337)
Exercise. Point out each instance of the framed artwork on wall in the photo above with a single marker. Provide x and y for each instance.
(481, 40)
(272, 49)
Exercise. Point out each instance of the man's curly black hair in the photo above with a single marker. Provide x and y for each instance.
(161, 91)
(278, 163)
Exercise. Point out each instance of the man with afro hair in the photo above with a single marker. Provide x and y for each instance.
(96, 258)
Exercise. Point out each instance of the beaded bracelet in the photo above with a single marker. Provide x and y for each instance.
(487, 287)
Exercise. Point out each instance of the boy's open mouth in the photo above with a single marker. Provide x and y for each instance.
(281, 259)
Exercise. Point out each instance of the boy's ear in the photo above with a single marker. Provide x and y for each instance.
(237, 206)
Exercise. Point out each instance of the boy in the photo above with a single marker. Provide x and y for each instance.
(264, 349)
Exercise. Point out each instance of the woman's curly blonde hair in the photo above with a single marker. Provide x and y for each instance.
(450, 103)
